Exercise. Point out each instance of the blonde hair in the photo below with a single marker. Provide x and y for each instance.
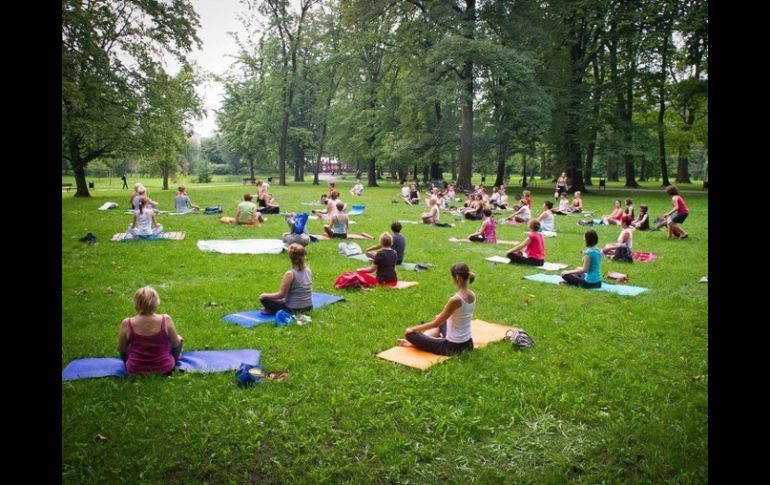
(146, 300)
(386, 240)
(462, 270)
(297, 254)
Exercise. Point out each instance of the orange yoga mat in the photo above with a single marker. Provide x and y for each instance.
(483, 334)
(232, 220)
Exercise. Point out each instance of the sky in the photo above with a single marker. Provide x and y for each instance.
(217, 18)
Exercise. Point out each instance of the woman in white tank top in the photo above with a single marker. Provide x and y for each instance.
(450, 332)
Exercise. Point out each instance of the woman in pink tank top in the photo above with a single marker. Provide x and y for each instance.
(677, 214)
(148, 343)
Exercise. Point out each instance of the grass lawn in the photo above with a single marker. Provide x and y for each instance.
(615, 389)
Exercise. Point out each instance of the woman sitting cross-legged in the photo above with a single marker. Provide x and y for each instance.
(450, 331)
(147, 342)
(533, 245)
(384, 262)
(144, 223)
(296, 291)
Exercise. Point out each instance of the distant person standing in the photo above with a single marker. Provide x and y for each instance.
(125, 182)
(561, 184)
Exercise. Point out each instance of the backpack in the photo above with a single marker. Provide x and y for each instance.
(350, 279)
(623, 253)
(299, 223)
(248, 374)
(350, 249)
(519, 339)
(217, 209)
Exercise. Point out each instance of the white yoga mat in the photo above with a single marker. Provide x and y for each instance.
(242, 246)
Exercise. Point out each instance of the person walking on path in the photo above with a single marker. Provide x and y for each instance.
(125, 182)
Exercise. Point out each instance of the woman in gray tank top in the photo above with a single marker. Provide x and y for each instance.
(296, 291)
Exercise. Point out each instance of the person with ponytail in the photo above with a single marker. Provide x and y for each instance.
(450, 332)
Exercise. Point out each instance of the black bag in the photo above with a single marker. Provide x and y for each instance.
(623, 253)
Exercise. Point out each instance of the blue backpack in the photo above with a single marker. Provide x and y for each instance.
(299, 223)
(248, 374)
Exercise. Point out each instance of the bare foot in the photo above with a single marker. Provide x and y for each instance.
(402, 342)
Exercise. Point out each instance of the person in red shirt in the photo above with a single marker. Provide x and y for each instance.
(677, 214)
(534, 246)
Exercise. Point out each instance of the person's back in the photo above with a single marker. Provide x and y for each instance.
(593, 275)
(626, 237)
(149, 350)
(135, 201)
(340, 223)
(459, 322)
(300, 294)
(144, 222)
(246, 212)
(536, 247)
(399, 246)
(386, 265)
(547, 221)
(182, 202)
(489, 231)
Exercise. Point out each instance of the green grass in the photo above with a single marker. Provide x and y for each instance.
(615, 390)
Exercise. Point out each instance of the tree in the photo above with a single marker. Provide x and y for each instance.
(289, 29)
(110, 51)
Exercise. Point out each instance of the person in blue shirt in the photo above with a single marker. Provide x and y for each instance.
(588, 275)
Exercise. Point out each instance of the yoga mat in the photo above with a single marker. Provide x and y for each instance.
(124, 236)
(643, 257)
(405, 266)
(357, 210)
(195, 361)
(546, 266)
(548, 233)
(483, 333)
(403, 284)
(191, 211)
(254, 318)
(351, 235)
(409, 222)
(242, 246)
(624, 290)
(232, 220)
(499, 241)
(108, 205)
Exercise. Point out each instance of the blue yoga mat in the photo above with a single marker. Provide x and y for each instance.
(254, 318)
(357, 210)
(196, 361)
(617, 289)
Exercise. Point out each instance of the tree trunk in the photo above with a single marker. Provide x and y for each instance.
(661, 113)
(630, 172)
(683, 165)
(79, 170)
(251, 166)
(466, 128)
(572, 130)
(593, 133)
(502, 157)
(371, 163)
(466, 131)
(524, 182)
(453, 166)
(282, 148)
(164, 172)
